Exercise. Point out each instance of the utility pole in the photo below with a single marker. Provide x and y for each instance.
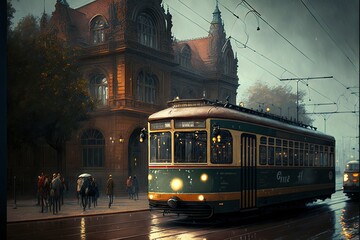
(297, 89)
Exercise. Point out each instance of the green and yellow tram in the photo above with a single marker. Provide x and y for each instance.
(207, 157)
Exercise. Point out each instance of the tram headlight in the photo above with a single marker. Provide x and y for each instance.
(150, 177)
(201, 197)
(204, 177)
(151, 196)
(346, 177)
(176, 184)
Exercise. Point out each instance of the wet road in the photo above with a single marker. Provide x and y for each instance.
(337, 218)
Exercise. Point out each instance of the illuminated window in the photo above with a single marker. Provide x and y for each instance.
(221, 148)
(160, 147)
(93, 145)
(190, 147)
(99, 88)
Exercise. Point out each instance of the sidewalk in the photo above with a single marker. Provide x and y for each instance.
(27, 210)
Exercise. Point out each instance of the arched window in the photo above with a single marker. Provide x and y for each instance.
(98, 30)
(228, 63)
(146, 87)
(99, 88)
(185, 56)
(93, 148)
(146, 31)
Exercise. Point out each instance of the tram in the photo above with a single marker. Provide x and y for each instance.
(351, 180)
(209, 157)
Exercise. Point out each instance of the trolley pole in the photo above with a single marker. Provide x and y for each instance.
(297, 89)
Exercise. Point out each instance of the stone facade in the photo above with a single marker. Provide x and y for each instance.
(134, 66)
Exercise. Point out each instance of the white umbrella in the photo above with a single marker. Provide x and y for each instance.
(84, 175)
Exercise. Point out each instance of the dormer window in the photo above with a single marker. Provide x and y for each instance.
(98, 30)
(185, 56)
(146, 30)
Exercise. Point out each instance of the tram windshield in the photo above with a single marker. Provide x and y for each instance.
(190, 147)
(160, 147)
(352, 166)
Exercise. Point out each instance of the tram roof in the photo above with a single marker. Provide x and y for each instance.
(203, 109)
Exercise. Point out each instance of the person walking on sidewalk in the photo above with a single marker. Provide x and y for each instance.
(135, 188)
(55, 193)
(129, 187)
(110, 190)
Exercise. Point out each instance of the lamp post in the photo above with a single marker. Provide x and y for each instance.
(280, 109)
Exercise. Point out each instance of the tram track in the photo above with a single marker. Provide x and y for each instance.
(319, 219)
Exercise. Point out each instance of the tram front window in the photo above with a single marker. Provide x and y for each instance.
(160, 147)
(190, 147)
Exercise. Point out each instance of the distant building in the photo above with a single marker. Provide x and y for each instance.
(134, 66)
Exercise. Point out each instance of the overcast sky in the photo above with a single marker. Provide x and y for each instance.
(297, 39)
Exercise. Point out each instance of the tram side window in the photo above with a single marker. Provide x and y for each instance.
(291, 153)
(301, 154)
(278, 152)
(326, 157)
(190, 147)
(311, 155)
(160, 147)
(285, 153)
(271, 152)
(306, 155)
(222, 152)
(321, 155)
(316, 156)
(332, 150)
(263, 150)
(296, 153)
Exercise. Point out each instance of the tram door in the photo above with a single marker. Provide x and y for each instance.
(248, 171)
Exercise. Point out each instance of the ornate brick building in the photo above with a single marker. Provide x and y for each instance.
(134, 66)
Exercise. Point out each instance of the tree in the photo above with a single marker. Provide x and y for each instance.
(278, 100)
(9, 14)
(47, 98)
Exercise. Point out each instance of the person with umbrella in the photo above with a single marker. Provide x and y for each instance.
(84, 189)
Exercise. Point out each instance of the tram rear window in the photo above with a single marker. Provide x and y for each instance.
(190, 147)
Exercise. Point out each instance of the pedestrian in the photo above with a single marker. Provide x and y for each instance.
(84, 192)
(135, 188)
(110, 190)
(129, 185)
(96, 191)
(79, 183)
(62, 189)
(55, 193)
(40, 183)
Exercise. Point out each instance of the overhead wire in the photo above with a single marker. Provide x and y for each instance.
(259, 16)
(246, 46)
(330, 36)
